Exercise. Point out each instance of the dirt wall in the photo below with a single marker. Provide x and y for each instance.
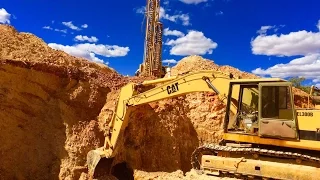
(46, 122)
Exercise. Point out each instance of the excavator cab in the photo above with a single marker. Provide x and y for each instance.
(265, 136)
(264, 109)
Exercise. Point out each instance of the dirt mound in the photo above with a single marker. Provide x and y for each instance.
(28, 47)
(193, 63)
(198, 63)
(237, 72)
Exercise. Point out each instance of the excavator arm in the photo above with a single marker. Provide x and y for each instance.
(202, 81)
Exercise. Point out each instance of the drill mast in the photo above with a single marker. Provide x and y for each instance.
(152, 65)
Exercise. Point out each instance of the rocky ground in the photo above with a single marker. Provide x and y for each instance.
(54, 106)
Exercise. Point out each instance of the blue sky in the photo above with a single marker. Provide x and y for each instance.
(268, 37)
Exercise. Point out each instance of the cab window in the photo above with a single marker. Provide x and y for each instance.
(276, 102)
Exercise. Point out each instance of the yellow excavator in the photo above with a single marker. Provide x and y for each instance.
(265, 136)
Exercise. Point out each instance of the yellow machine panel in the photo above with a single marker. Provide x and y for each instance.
(308, 120)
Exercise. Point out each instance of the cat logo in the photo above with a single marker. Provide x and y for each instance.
(172, 88)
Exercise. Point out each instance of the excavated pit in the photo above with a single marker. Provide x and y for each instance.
(54, 107)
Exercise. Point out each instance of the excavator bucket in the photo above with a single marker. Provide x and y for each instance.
(98, 164)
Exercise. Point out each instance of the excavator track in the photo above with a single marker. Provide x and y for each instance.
(223, 151)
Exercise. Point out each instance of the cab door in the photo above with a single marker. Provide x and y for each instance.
(277, 117)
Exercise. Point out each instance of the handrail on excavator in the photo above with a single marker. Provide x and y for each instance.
(313, 89)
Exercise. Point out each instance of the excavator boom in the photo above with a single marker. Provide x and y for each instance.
(202, 81)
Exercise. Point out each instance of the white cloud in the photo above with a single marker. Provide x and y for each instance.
(71, 25)
(4, 16)
(184, 18)
(302, 43)
(57, 30)
(84, 26)
(168, 32)
(194, 43)
(263, 30)
(105, 50)
(86, 38)
(89, 51)
(307, 66)
(318, 25)
(219, 13)
(141, 10)
(47, 27)
(171, 61)
(61, 30)
(193, 1)
(294, 43)
(74, 51)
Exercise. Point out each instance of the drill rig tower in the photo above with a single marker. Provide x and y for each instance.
(152, 64)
